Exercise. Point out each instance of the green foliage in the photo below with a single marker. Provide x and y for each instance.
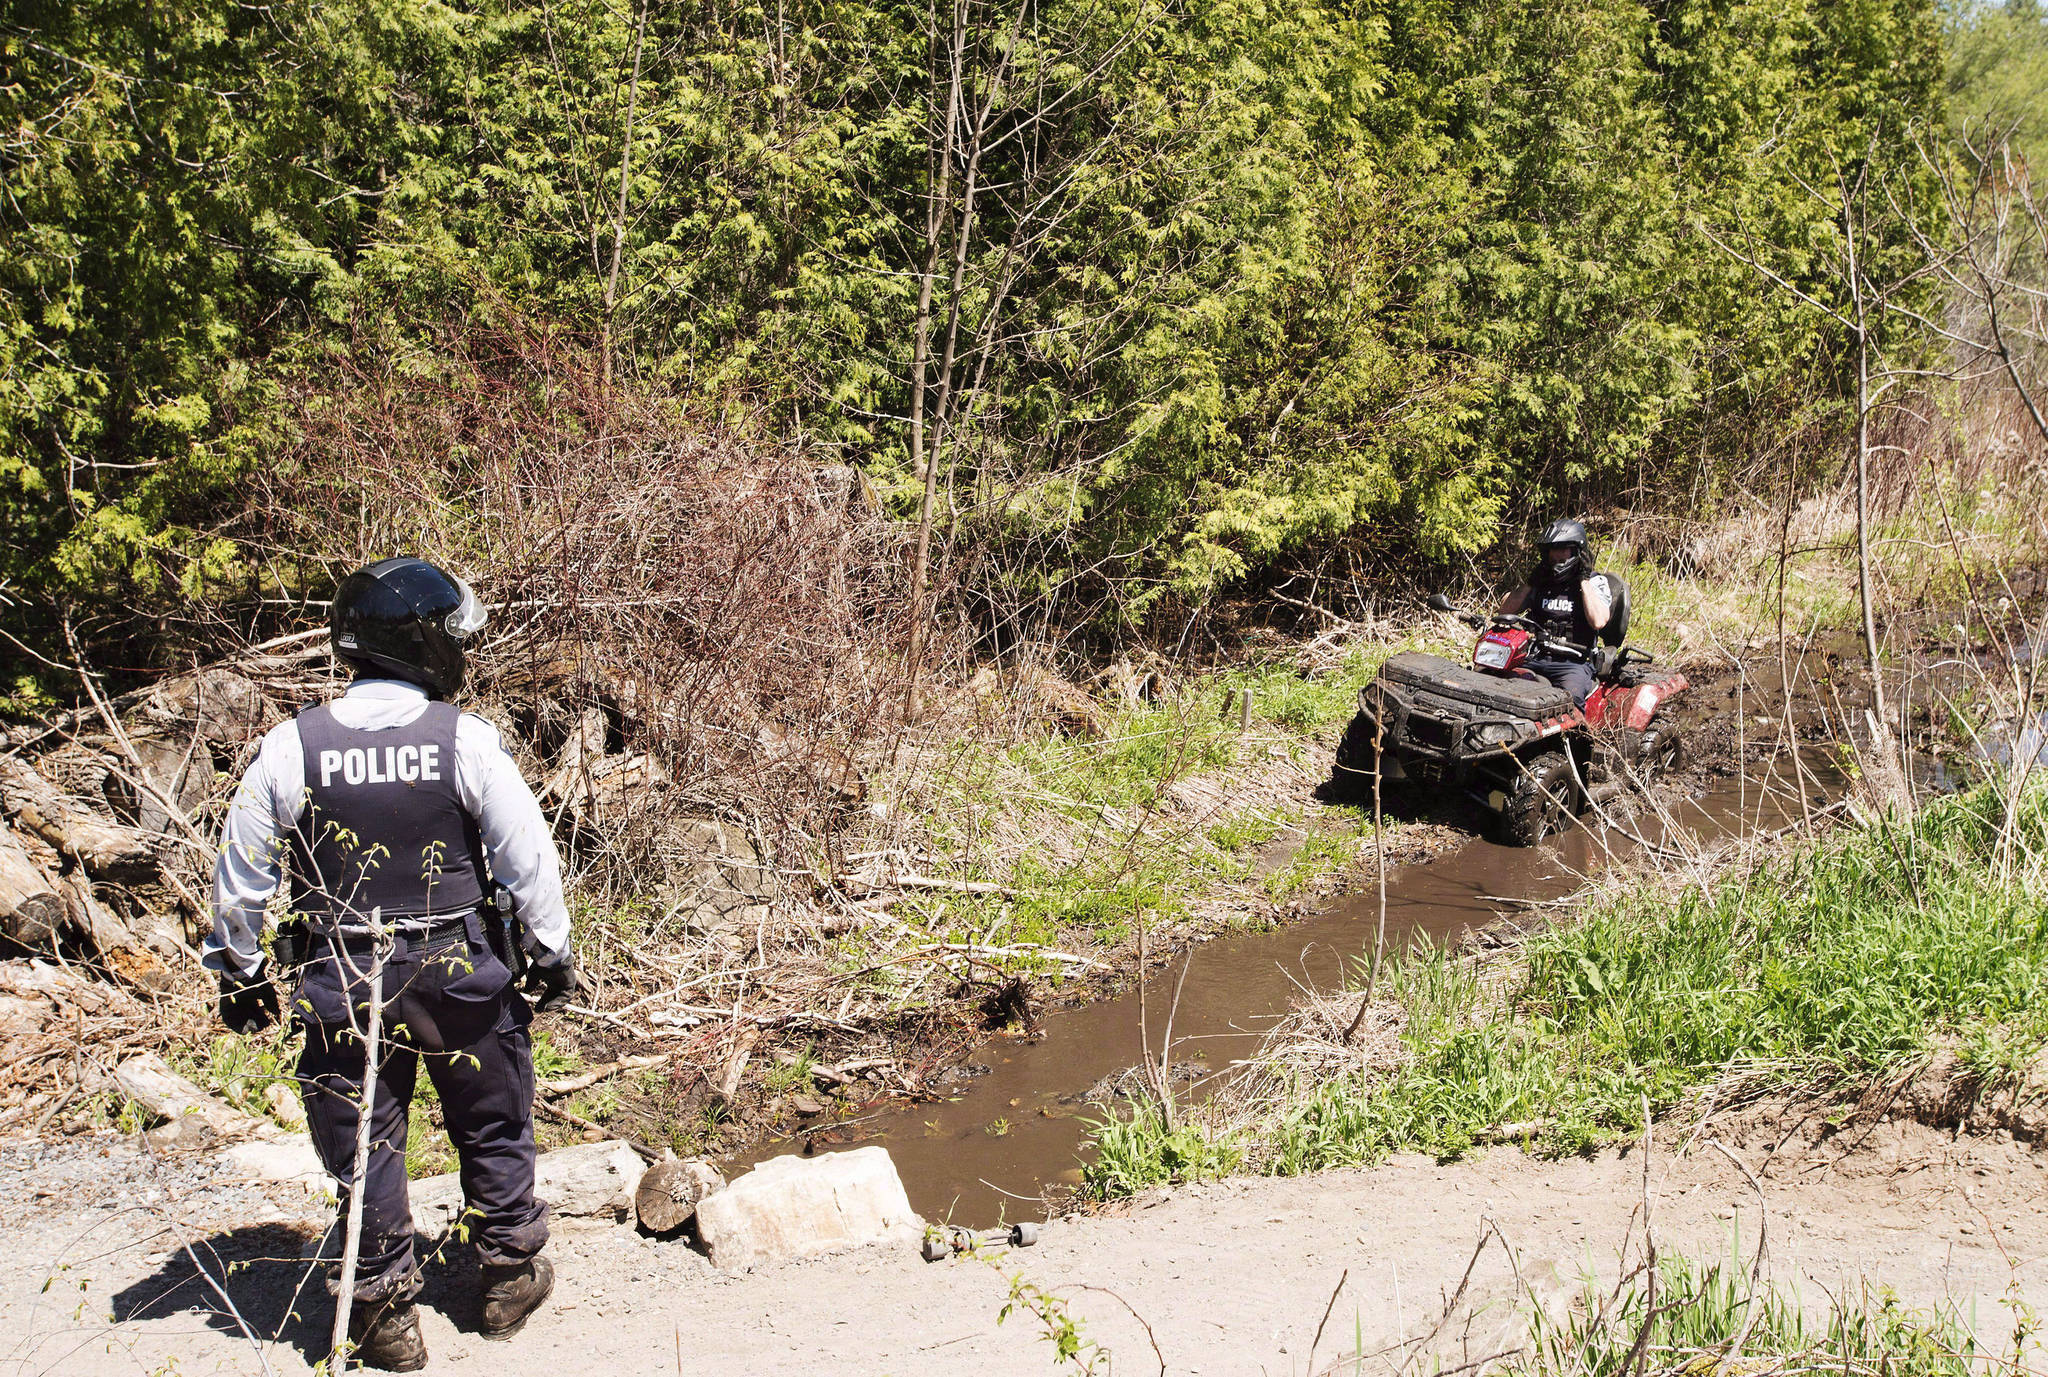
(1323, 850)
(185, 183)
(1133, 1153)
(551, 1062)
(1998, 68)
(1242, 279)
(792, 1076)
(242, 1069)
(1071, 1347)
(428, 1150)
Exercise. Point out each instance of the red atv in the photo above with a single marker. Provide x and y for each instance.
(1507, 736)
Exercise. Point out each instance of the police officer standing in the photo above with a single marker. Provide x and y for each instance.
(392, 813)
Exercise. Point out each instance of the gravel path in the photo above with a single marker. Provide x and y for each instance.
(1231, 1278)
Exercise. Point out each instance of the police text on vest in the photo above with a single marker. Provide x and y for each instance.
(391, 765)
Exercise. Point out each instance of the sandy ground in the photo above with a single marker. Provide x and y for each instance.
(1230, 1278)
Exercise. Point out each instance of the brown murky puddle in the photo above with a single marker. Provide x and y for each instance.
(985, 1155)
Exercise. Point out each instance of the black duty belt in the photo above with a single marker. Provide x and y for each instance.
(414, 933)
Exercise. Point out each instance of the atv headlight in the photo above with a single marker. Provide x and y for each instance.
(1492, 654)
(1488, 734)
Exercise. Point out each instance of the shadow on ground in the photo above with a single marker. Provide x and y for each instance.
(276, 1288)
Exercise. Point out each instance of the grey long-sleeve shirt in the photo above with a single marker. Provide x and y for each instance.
(255, 840)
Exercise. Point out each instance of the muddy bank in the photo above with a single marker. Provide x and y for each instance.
(1015, 1122)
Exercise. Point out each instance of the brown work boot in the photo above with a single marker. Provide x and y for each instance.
(511, 1293)
(386, 1336)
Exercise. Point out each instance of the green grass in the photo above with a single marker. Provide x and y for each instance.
(1308, 704)
(1242, 832)
(241, 1069)
(551, 1062)
(793, 1076)
(1323, 850)
(1698, 1315)
(1660, 601)
(1843, 962)
(428, 1151)
(1142, 751)
(1139, 1151)
(1093, 888)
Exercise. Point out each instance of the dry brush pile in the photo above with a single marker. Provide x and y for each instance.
(697, 654)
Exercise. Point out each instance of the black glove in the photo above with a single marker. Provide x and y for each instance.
(248, 1003)
(555, 979)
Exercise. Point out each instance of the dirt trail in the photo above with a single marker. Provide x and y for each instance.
(1232, 1278)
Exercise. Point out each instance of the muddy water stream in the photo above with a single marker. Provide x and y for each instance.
(986, 1154)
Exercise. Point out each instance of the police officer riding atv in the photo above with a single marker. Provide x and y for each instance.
(1555, 710)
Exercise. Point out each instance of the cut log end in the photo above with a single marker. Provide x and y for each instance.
(669, 1191)
(31, 909)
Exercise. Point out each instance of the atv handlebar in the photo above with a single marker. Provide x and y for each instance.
(1592, 655)
(1515, 622)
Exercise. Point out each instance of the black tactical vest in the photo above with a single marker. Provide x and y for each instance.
(384, 827)
(1560, 609)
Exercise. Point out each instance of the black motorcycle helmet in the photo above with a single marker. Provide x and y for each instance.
(406, 619)
(1580, 564)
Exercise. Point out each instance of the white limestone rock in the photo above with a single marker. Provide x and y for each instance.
(790, 1207)
(586, 1179)
(283, 1162)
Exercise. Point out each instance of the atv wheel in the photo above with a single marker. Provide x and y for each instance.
(1358, 764)
(1541, 802)
(1659, 751)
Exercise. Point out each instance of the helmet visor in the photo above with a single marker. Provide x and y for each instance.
(469, 616)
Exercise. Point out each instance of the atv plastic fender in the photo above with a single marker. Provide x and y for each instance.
(1643, 703)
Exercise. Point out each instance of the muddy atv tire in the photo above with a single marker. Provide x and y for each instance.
(1660, 751)
(1542, 802)
(1357, 764)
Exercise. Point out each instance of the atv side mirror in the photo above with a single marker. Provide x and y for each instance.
(1439, 603)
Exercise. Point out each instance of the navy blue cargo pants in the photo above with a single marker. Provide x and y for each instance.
(450, 1003)
(1573, 676)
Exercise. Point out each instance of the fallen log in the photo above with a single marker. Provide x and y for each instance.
(217, 705)
(743, 1049)
(861, 886)
(1510, 1133)
(150, 1082)
(170, 776)
(977, 949)
(62, 993)
(89, 918)
(953, 886)
(31, 909)
(121, 949)
(567, 1085)
(844, 1073)
(35, 806)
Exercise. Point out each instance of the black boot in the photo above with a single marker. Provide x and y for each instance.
(386, 1336)
(513, 1292)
